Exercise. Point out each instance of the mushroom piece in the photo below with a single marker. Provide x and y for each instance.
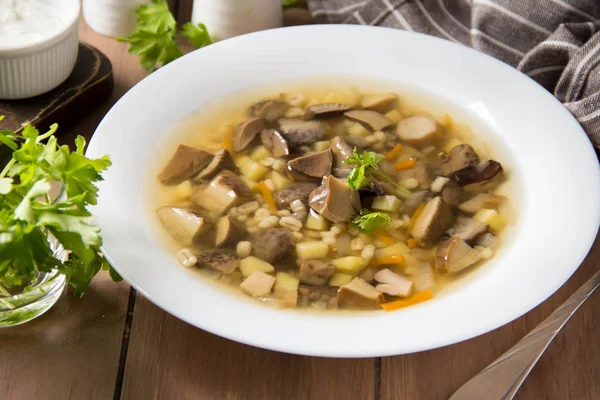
(335, 200)
(392, 283)
(418, 130)
(453, 194)
(273, 244)
(358, 294)
(325, 110)
(258, 284)
(454, 255)
(432, 222)
(271, 110)
(315, 272)
(315, 165)
(246, 132)
(340, 151)
(467, 229)
(229, 231)
(221, 161)
(372, 119)
(377, 100)
(341, 173)
(222, 261)
(480, 173)
(419, 171)
(296, 191)
(460, 157)
(225, 190)
(360, 142)
(275, 143)
(185, 163)
(185, 226)
(298, 132)
(482, 200)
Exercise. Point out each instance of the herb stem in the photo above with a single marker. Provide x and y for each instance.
(7, 168)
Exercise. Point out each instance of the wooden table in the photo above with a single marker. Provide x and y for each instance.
(116, 344)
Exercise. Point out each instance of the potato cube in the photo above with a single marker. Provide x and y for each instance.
(251, 264)
(286, 289)
(350, 265)
(310, 250)
(394, 116)
(386, 203)
(259, 153)
(316, 222)
(320, 146)
(492, 218)
(339, 279)
(280, 181)
(393, 250)
(251, 169)
(358, 129)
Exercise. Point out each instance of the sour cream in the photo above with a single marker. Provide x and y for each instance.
(24, 22)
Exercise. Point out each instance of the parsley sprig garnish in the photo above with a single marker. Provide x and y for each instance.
(28, 214)
(371, 221)
(365, 162)
(156, 30)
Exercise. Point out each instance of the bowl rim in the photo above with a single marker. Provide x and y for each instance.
(586, 149)
(45, 42)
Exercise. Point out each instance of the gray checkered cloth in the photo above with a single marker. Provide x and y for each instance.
(555, 42)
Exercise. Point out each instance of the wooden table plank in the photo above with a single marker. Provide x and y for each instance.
(570, 368)
(169, 359)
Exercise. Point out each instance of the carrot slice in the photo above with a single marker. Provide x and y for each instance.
(393, 152)
(416, 214)
(406, 164)
(386, 239)
(412, 243)
(227, 140)
(387, 260)
(410, 301)
(266, 192)
(449, 121)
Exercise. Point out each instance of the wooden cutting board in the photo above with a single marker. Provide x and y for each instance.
(90, 83)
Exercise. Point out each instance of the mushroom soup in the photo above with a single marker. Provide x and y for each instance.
(330, 197)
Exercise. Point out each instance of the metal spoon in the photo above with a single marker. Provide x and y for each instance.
(502, 379)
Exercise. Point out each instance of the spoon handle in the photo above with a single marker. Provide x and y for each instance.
(502, 379)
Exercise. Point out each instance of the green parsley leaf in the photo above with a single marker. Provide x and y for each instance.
(153, 48)
(196, 34)
(364, 161)
(155, 17)
(369, 222)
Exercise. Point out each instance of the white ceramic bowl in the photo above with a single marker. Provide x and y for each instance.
(40, 66)
(552, 161)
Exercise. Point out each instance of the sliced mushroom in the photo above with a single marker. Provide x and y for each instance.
(419, 171)
(229, 231)
(315, 272)
(222, 261)
(273, 244)
(275, 143)
(185, 163)
(360, 142)
(246, 132)
(296, 191)
(377, 100)
(221, 161)
(418, 130)
(315, 165)
(271, 110)
(298, 132)
(258, 284)
(482, 200)
(335, 200)
(372, 119)
(185, 226)
(480, 173)
(342, 173)
(454, 255)
(225, 190)
(340, 151)
(467, 228)
(453, 194)
(358, 294)
(460, 157)
(411, 203)
(434, 220)
(325, 110)
(392, 283)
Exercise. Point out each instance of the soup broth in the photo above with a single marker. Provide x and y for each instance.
(332, 196)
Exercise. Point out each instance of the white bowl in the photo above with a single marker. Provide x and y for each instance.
(551, 159)
(41, 65)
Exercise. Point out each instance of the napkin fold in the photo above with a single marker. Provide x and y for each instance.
(555, 42)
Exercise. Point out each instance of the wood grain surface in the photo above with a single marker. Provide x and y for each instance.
(76, 350)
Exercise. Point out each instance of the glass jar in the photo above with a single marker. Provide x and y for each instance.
(19, 305)
(227, 18)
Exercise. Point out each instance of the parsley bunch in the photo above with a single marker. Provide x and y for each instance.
(156, 30)
(366, 161)
(28, 214)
